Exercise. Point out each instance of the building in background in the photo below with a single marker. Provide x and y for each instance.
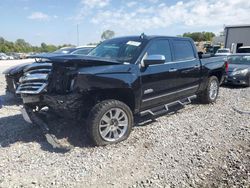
(237, 36)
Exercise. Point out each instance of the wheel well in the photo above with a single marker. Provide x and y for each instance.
(124, 95)
(218, 74)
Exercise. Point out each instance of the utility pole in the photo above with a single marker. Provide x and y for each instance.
(77, 30)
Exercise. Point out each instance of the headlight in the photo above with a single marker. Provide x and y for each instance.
(241, 72)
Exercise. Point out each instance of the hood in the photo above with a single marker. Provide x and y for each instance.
(93, 65)
(235, 67)
(15, 69)
(84, 60)
(45, 55)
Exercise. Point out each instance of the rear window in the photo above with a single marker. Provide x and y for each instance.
(183, 50)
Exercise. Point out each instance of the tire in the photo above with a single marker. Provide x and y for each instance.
(210, 94)
(109, 122)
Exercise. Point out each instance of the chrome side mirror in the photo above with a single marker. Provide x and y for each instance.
(154, 59)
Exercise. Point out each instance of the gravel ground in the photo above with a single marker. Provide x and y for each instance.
(199, 146)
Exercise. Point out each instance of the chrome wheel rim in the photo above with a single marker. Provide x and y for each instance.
(113, 124)
(213, 92)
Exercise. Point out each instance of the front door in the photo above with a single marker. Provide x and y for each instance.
(158, 81)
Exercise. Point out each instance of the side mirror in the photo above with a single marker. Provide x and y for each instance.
(154, 59)
(200, 54)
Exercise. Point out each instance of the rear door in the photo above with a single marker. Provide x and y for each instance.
(188, 65)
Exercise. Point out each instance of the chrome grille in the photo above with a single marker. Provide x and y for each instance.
(35, 78)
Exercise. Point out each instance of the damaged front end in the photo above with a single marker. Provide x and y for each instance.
(49, 86)
(62, 86)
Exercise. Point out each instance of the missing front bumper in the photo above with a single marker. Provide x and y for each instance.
(34, 117)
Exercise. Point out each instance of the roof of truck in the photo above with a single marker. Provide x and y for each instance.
(149, 37)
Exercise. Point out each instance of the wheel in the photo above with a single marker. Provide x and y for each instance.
(109, 122)
(210, 94)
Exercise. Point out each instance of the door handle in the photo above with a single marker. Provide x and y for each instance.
(172, 70)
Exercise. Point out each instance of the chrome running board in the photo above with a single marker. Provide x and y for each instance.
(165, 108)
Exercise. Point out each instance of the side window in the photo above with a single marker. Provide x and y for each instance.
(160, 47)
(183, 50)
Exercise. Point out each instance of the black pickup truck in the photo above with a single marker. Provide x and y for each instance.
(119, 80)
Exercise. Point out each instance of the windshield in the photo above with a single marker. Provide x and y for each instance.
(122, 50)
(223, 51)
(239, 59)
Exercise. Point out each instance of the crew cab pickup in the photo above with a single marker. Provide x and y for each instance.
(122, 78)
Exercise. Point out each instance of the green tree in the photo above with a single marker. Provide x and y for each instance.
(48, 48)
(108, 34)
(20, 45)
(200, 36)
(209, 36)
(1, 40)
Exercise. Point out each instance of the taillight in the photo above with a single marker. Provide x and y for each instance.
(226, 66)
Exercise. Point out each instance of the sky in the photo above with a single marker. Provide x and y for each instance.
(55, 21)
